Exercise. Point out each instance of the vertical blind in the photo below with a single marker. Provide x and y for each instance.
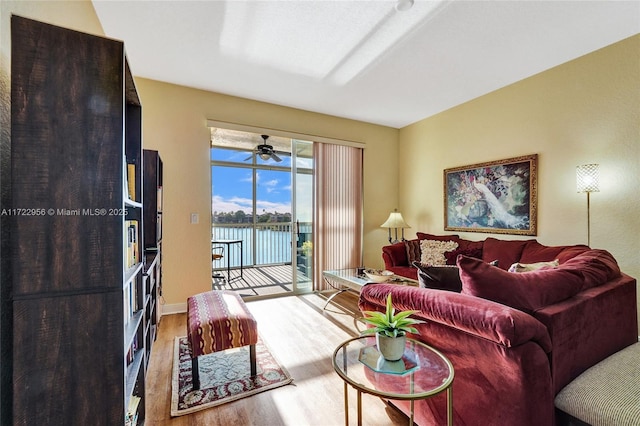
(338, 211)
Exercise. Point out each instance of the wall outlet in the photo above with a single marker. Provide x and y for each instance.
(195, 218)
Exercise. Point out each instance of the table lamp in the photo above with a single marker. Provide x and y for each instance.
(395, 221)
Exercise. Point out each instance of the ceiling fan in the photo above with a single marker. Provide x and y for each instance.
(265, 151)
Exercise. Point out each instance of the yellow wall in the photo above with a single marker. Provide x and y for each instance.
(175, 124)
(584, 111)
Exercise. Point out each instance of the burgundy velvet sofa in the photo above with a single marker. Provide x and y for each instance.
(515, 339)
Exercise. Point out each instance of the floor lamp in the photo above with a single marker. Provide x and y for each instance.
(395, 221)
(587, 177)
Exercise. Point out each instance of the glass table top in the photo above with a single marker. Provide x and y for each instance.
(351, 279)
(347, 277)
(422, 372)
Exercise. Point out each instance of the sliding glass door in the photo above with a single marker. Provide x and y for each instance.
(265, 200)
(302, 171)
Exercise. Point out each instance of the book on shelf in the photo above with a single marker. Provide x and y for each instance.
(131, 181)
(131, 353)
(131, 305)
(159, 199)
(131, 418)
(132, 250)
(159, 227)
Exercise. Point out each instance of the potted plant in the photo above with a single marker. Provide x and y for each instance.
(390, 329)
(307, 247)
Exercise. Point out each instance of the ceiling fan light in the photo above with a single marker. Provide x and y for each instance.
(404, 5)
(265, 156)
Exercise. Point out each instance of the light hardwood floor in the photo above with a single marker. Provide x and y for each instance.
(302, 337)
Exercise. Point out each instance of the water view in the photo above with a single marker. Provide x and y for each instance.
(266, 244)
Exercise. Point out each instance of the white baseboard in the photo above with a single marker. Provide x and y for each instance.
(176, 308)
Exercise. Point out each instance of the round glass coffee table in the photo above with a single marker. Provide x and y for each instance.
(421, 373)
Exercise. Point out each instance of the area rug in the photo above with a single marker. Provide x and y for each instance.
(224, 377)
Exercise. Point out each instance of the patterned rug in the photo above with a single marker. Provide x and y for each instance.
(224, 377)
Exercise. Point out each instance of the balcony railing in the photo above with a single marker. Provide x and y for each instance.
(262, 244)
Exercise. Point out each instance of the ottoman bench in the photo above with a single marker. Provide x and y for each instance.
(607, 393)
(216, 321)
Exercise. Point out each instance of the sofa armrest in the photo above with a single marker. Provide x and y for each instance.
(486, 319)
(395, 255)
(590, 326)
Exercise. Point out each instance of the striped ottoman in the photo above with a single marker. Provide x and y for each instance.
(606, 394)
(216, 321)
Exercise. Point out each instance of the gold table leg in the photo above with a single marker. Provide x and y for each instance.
(359, 408)
(450, 405)
(411, 387)
(346, 404)
(411, 412)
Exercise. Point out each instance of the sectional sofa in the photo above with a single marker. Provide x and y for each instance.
(515, 339)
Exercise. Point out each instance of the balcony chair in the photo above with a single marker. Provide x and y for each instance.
(217, 253)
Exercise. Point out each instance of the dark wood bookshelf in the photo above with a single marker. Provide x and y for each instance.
(78, 342)
(152, 199)
(152, 240)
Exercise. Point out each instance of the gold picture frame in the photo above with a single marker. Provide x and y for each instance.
(498, 197)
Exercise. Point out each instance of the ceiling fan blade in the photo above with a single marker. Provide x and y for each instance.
(248, 158)
(275, 157)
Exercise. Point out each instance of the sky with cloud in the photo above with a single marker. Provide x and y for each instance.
(232, 191)
(232, 187)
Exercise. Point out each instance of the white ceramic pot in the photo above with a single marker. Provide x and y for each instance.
(391, 348)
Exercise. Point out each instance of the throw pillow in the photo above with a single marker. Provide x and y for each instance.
(594, 266)
(535, 252)
(507, 252)
(527, 292)
(432, 251)
(439, 277)
(423, 236)
(413, 251)
(527, 267)
(452, 256)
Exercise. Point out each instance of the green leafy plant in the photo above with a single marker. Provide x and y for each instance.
(307, 246)
(390, 323)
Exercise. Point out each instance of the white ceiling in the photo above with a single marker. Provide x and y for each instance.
(360, 59)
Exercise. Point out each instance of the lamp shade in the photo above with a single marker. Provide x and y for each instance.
(587, 177)
(395, 221)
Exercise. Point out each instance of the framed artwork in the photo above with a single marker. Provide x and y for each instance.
(497, 197)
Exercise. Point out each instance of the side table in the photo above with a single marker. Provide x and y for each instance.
(423, 372)
(228, 244)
